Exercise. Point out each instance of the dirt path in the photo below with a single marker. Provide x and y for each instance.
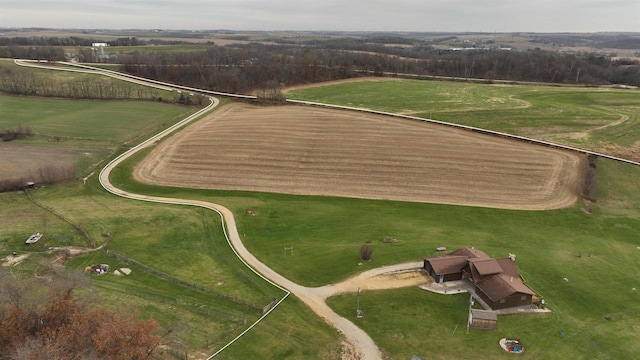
(312, 297)
(363, 346)
(360, 346)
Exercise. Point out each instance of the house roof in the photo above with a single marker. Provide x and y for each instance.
(470, 253)
(447, 264)
(508, 266)
(486, 266)
(499, 286)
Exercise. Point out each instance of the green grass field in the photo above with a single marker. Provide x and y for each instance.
(599, 253)
(92, 130)
(574, 116)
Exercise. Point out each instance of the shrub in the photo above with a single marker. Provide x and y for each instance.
(365, 252)
(589, 187)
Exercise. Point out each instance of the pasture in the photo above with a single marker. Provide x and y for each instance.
(81, 133)
(590, 118)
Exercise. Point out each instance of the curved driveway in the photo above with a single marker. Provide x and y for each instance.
(364, 346)
(313, 297)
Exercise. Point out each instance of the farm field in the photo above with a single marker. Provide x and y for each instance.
(601, 119)
(551, 245)
(327, 232)
(315, 151)
(80, 133)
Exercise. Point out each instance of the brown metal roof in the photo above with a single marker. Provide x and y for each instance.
(447, 264)
(470, 253)
(499, 286)
(486, 266)
(508, 266)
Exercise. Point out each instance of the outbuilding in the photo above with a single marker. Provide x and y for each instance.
(484, 319)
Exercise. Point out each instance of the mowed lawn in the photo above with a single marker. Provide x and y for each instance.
(598, 253)
(577, 116)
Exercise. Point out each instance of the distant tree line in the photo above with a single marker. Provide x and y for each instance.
(243, 68)
(247, 67)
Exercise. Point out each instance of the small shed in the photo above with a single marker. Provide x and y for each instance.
(484, 319)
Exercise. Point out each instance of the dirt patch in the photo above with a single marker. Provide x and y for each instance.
(630, 153)
(12, 260)
(318, 151)
(349, 352)
(23, 161)
(384, 281)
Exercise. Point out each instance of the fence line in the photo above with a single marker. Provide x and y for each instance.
(179, 281)
(78, 227)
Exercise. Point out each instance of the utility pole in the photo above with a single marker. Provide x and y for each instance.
(469, 317)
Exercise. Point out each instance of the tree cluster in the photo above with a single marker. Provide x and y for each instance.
(240, 68)
(29, 83)
(245, 68)
(46, 321)
(20, 132)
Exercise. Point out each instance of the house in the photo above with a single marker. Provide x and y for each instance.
(450, 267)
(496, 281)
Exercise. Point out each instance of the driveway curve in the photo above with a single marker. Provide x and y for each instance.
(313, 297)
(363, 345)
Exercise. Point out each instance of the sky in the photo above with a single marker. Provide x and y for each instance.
(344, 15)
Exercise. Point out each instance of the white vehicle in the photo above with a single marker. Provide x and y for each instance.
(34, 238)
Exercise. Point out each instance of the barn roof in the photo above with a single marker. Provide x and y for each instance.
(508, 266)
(455, 261)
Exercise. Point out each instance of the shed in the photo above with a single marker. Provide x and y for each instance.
(484, 319)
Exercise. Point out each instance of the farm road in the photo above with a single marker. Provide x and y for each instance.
(313, 297)
(363, 345)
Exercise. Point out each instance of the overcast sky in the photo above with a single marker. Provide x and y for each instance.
(364, 15)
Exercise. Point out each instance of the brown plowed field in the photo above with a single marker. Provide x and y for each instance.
(318, 151)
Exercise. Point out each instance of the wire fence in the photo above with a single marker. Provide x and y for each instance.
(182, 282)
